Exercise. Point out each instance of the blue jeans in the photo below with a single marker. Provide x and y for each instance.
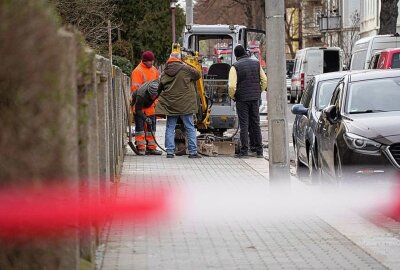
(188, 122)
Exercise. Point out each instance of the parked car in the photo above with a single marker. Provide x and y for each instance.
(289, 74)
(358, 134)
(373, 63)
(310, 62)
(389, 58)
(365, 48)
(316, 97)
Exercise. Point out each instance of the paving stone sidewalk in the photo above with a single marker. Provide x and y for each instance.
(306, 242)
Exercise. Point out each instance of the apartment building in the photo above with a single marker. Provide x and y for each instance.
(369, 18)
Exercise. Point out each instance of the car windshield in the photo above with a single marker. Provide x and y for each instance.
(373, 96)
(324, 93)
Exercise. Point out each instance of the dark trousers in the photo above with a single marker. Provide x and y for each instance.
(141, 125)
(253, 146)
(249, 116)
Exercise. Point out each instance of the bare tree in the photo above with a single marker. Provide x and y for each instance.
(90, 17)
(388, 16)
(254, 11)
(291, 30)
(351, 35)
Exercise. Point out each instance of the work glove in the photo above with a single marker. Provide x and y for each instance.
(148, 121)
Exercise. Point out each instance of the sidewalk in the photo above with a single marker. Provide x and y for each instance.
(215, 239)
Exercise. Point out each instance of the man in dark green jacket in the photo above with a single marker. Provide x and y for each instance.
(178, 99)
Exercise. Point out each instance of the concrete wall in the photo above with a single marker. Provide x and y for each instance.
(62, 121)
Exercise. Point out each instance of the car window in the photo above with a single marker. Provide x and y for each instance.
(379, 95)
(358, 60)
(289, 68)
(324, 93)
(308, 92)
(396, 60)
(336, 94)
(373, 64)
(297, 64)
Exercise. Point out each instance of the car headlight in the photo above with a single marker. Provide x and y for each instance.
(362, 145)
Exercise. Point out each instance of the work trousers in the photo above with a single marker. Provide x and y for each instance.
(143, 136)
(249, 116)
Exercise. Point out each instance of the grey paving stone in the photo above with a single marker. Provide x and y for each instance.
(265, 243)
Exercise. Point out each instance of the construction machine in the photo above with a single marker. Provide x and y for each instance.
(201, 48)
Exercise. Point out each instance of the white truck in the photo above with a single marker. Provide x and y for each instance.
(313, 61)
(366, 47)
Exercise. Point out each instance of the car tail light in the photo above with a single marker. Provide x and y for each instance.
(302, 81)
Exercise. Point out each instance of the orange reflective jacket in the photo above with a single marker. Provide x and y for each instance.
(140, 75)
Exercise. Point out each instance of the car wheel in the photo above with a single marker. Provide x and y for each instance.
(313, 168)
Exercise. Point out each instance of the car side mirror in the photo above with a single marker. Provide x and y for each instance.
(299, 109)
(332, 114)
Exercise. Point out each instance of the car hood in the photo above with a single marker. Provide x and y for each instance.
(381, 127)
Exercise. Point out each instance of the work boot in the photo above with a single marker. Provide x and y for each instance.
(170, 155)
(260, 154)
(242, 155)
(252, 153)
(153, 152)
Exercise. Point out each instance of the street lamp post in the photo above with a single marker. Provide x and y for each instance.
(173, 6)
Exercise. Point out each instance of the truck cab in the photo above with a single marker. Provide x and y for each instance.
(389, 58)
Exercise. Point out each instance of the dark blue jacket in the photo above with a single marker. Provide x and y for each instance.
(248, 79)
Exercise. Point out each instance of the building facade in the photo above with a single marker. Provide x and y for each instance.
(369, 18)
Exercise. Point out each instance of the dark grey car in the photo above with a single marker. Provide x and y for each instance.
(359, 132)
(317, 95)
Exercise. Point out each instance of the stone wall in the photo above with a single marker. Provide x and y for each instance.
(62, 121)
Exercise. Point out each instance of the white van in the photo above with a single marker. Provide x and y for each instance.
(310, 62)
(365, 48)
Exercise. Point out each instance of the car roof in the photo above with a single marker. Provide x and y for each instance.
(395, 50)
(367, 39)
(373, 74)
(330, 75)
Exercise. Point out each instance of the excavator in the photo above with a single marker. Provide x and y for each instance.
(216, 111)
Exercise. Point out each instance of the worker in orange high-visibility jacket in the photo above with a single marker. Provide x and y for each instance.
(143, 73)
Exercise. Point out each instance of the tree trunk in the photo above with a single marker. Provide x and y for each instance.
(388, 17)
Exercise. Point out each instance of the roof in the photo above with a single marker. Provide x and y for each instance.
(367, 39)
(373, 74)
(391, 50)
(330, 75)
(320, 48)
(213, 29)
